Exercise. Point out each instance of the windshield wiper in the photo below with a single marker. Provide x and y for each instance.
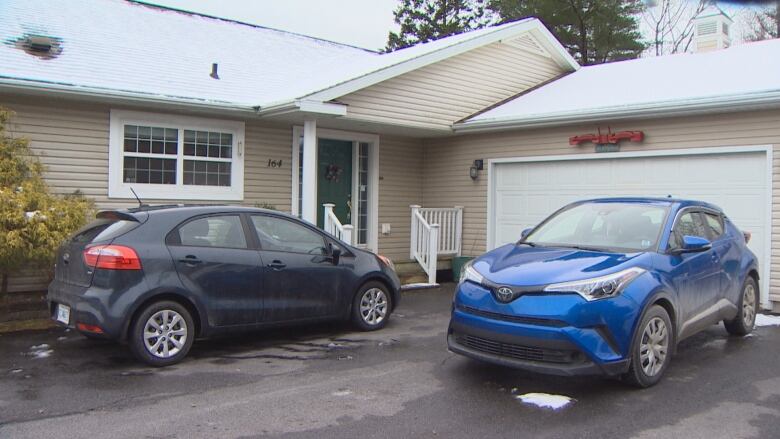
(530, 244)
(582, 247)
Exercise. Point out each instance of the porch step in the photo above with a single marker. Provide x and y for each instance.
(410, 272)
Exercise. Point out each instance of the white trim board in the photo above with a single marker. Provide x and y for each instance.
(372, 239)
(766, 149)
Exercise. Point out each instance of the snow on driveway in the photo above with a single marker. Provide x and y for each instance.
(546, 400)
(767, 320)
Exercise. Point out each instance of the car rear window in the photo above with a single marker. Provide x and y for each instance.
(102, 230)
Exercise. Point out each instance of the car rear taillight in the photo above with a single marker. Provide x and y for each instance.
(112, 257)
(747, 236)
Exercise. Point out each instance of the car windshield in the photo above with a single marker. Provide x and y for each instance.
(602, 226)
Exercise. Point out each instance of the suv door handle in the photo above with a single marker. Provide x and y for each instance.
(715, 257)
(191, 260)
(276, 265)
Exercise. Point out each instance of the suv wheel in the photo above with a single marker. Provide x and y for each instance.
(371, 306)
(162, 334)
(652, 347)
(742, 323)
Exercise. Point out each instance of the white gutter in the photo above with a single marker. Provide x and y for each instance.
(65, 90)
(719, 104)
(304, 106)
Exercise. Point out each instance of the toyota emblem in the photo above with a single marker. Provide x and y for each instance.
(504, 294)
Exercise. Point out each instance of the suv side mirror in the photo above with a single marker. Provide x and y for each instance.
(694, 244)
(525, 232)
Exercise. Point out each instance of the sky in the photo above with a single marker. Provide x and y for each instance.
(362, 23)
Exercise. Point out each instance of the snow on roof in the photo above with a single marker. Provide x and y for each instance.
(118, 45)
(620, 88)
(140, 49)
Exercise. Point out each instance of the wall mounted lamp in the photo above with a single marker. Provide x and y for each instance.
(475, 168)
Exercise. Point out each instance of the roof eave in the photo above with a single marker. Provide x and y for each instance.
(721, 104)
(550, 43)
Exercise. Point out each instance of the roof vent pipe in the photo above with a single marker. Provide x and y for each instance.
(214, 73)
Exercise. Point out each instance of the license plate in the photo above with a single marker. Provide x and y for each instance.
(63, 314)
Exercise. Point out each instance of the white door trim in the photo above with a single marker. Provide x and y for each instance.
(372, 240)
(767, 149)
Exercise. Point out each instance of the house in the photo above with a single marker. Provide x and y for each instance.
(488, 131)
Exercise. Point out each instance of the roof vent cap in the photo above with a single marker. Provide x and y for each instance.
(42, 46)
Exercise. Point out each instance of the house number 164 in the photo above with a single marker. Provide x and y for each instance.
(274, 163)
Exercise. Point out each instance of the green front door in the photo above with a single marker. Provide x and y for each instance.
(334, 179)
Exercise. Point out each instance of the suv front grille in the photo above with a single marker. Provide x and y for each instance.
(518, 352)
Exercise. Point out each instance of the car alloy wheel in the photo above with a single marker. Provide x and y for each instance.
(654, 346)
(165, 333)
(749, 305)
(373, 306)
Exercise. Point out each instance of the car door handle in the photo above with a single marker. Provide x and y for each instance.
(191, 260)
(276, 265)
(715, 258)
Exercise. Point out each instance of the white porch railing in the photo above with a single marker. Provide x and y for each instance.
(435, 231)
(333, 226)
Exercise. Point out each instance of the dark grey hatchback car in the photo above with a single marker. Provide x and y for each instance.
(159, 277)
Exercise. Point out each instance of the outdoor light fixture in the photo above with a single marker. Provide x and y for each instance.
(475, 168)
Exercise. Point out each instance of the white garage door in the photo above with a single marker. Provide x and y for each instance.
(524, 193)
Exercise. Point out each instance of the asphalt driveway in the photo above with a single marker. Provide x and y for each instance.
(329, 381)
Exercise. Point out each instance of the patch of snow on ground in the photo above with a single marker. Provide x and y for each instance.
(546, 400)
(767, 320)
(41, 351)
(342, 393)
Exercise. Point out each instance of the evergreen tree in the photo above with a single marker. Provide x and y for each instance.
(428, 20)
(593, 31)
(33, 222)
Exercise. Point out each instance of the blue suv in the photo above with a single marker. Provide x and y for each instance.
(607, 286)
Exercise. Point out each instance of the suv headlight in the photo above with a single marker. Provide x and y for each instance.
(598, 287)
(469, 273)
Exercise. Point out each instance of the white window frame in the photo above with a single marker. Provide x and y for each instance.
(117, 188)
(372, 218)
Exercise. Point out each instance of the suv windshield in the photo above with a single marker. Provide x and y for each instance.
(602, 226)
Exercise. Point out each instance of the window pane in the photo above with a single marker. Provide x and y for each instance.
(278, 234)
(203, 173)
(146, 170)
(689, 224)
(714, 225)
(213, 231)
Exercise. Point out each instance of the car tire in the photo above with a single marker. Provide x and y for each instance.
(175, 332)
(372, 306)
(743, 322)
(652, 342)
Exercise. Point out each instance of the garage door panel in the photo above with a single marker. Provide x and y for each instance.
(736, 182)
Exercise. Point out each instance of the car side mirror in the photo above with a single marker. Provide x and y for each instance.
(335, 254)
(694, 244)
(525, 232)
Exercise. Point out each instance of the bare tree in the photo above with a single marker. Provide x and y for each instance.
(670, 25)
(763, 24)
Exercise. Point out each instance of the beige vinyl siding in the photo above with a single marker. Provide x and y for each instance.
(71, 140)
(400, 185)
(442, 93)
(446, 181)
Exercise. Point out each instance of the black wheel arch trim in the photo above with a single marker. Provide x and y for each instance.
(200, 316)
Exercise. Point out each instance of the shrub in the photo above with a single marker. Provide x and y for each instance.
(33, 221)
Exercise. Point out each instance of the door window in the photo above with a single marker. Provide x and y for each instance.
(688, 224)
(279, 234)
(714, 225)
(213, 231)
